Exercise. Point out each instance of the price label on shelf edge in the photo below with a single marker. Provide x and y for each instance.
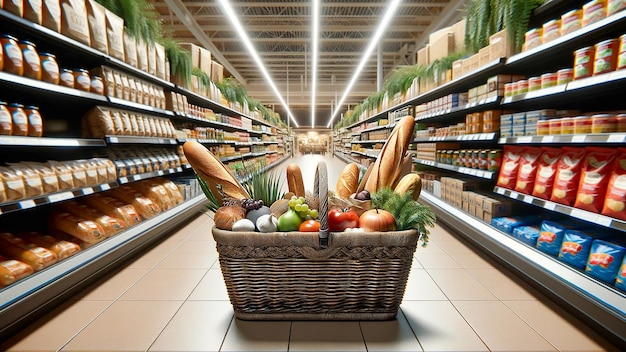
(59, 197)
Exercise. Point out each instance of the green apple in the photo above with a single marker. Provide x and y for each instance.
(289, 221)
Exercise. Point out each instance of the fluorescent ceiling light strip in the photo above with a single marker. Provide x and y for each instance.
(314, 53)
(230, 13)
(373, 42)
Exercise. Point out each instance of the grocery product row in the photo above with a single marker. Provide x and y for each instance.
(76, 225)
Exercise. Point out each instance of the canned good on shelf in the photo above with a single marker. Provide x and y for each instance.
(564, 76)
(621, 56)
(567, 125)
(582, 125)
(548, 80)
(543, 127)
(583, 62)
(605, 58)
(571, 21)
(534, 83)
(603, 123)
(555, 126)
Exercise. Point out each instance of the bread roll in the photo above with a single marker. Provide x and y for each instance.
(145, 206)
(61, 248)
(114, 208)
(389, 161)
(12, 270)
(109, 224)
(218, 178)
(348, 181)
(37, 257)
(86, 230)
(294, 180)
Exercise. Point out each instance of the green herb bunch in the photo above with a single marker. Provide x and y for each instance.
(409, 214)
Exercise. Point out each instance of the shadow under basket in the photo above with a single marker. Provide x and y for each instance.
(291, 276)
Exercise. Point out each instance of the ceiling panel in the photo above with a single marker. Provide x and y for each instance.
(280, 32)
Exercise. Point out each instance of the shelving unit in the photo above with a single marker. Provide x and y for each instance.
(64, 107)
(585, 296)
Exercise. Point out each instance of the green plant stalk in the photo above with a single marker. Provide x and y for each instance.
(213, 203)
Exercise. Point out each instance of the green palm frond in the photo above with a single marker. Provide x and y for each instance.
(265, 185)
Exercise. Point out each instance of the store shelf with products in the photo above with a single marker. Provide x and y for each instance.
(594, 138)
(587, 297)
(457, 112)
(20, 141)
(76, 51)
(581, 214)
(45, 199)
(490, 175)
(487, 137)
(125, 104)
(147, 175)
(45, 289)
(139, 140)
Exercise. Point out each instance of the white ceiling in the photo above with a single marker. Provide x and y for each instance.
(280, 33)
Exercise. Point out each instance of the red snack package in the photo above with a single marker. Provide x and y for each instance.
(510, 166)
(527, 169)
(567, 176)
(594, 178)
(615, 200)
(546, 171)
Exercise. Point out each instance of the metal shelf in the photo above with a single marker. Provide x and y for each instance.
(487, 103)
(460, 169)
(594, 218)
(139, 140)
(147, 175)
(55, 197)
(597, 302)
(373, 141)
(598, 138)
(33, 86)
(488, 137)
(21, 141)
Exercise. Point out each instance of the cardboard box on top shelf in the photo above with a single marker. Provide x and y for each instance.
(458, 30)
(483, 56)
(194, 52)
(205, 61)
(442, 47)
(497, 206)
(423, 56)
(217, 72)
(457, 68)
(500, 45)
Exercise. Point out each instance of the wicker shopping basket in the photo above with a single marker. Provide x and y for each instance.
(316, 276)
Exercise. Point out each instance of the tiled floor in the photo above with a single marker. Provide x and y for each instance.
(173, 298)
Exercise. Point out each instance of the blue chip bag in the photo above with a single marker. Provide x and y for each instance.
(527, 234)
(604, 260)
(620, 281)
(508, 224)
(575, 248)
(550, 237)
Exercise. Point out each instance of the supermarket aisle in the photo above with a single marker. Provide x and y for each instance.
(173, 299)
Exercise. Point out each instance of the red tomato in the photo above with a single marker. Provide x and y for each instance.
(341, 219)
(377, 220)
(309, 226)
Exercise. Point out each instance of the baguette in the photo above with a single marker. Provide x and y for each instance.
(61, 248)
(294, 180)
(364, 179)
(14, 247)
(348, 181)
(12, 270)
(392, 154)
(218, 177)
(86, 230)
(109, 224)
(114, 208)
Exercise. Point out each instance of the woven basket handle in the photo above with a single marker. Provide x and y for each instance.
(320, 188)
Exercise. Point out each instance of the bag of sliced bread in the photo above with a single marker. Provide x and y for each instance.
(74, 22)
(51, 15)
(33, 10)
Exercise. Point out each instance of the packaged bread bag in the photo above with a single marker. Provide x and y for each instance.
(61, 248)
(13, 184)
(16, 248)
(130, 49)
(567, 176)
(115, 35)
(546, 171)
(615, 199)
(12, 270)
(74, 22)
(87, 230)
(510, 166)
(594, 178)
(15, 7)
(33, 10)
(51, 15)
(527, 169)
(96, 14)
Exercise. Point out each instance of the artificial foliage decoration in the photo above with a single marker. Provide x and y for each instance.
(140, 18)
(402, 78)
(179, 58)
(203, 78)
(409, 214)
(486, 17)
